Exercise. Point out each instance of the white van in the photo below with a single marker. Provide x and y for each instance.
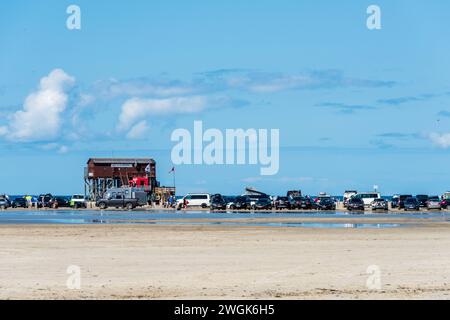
(195, 200)
(368, 197)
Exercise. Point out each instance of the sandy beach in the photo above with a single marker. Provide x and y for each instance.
(224, 262)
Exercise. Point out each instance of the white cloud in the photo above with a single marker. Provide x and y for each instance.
(274, 84)
(138, 131)
(159, 88)
(40, 118)
(63, 149)
(266, 82)
(85, 99)
(136, 109)
(442, 140)
(53, 146)
(132, 89)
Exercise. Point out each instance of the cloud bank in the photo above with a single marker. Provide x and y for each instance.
(135, 103)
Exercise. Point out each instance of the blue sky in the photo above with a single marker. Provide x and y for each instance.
(355, 107)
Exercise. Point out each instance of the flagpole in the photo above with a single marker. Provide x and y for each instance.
(174, 187)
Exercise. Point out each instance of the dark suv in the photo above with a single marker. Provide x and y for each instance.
(282, 203)
(301, 203)
(218, 202)
(46, 201)
(19, 203)
(241, 202)
(62, 202)
(355, 203)
(401, 200)
(422, 199)
(263, 203)
(326, 204)
(411, 204)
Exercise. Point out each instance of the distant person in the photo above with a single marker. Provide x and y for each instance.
(172, 201)
(28, 199)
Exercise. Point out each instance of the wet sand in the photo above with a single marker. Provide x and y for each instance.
(224, 262)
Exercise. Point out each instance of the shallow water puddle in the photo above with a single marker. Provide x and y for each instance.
(165, 217)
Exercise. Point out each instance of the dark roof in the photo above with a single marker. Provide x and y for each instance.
(122, 160)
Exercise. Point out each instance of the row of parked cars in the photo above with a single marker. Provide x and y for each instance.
(256, 202)
(352, 201)
(357, 201)
(408, 202)
(43, 201)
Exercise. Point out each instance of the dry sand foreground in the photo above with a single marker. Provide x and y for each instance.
(181, 262)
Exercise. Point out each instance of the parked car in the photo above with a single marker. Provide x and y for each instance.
(4, 202)
(401, 200)
(19, 202)
(78, 201)
(422, 199)
(255, 197)
(306, 203)
(63, 202)
(195, 200)
(218, 202)
(321, 196)
(411, 204)
(433, 202)
(379, 204)
(347, 195)
(301, 203)
(295, 202)
(294, 193)
(229, 201)
(282, 203)
(128, 198)
(356, 204)
(242, 203)
(394, 201)
(326, 204)
(368, 197)
(445, 203)
(263, 204)
(46, 201)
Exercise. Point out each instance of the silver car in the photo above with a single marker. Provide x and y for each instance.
(4, 203)
(433, 203)
(379, 204)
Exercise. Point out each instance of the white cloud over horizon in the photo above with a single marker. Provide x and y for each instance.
(135, 109)
(40, 118)
(138, 131)
(440, 139)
